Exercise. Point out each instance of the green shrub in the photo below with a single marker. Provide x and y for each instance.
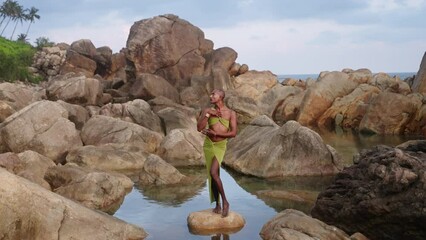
(15, 58)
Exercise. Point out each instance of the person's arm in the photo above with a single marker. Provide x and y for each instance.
(202, 120)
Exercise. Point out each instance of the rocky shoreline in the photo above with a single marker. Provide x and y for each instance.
(105, 121)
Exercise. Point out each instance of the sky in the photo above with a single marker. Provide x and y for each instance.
(283, 36)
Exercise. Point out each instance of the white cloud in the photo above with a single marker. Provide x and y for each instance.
(312, 46)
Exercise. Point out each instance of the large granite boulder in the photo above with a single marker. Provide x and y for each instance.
(42, 127)
(80, 58)
(29, 164)
(15, 96)
(147, 86)
(137, 111)
(264, 149)
(102, 129)
(322, 94)
(351, 108)
(156, 171)
(94, 189)
(109, 157)
(253, 84)
(382, 195)
(288, 108)
(174, 118)
(291, 224)
(75, 88)
(76, 113)
(167, 46)
(29, 211)
(390, 113)
(419, 84)
(182, 147)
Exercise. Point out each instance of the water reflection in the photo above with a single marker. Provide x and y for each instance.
(175, 195)
(290, 192)
(348, 142)
(220, 236)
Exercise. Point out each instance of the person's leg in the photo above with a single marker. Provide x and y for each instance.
(214, 173)
(215, 192)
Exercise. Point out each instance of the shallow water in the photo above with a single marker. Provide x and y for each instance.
(162, 211)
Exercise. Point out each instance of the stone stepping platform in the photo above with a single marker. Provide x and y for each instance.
(206, 222)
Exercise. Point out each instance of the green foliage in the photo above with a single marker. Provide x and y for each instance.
(43, 42)
(15, 58)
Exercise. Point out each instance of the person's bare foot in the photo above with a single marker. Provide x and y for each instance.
(225, 209)
(217, 209)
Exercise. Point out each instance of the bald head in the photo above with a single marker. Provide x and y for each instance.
(220, 92)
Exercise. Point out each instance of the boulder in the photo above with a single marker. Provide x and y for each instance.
(78, 63)
(253, 84)
(182, 147)
(102, 129)
(76, 89)
(265, 150)
(419, 84)
(31, 212)
(390, 113)
(5, 110)
(322, 94)
(381, 195)
(156, 171)
(19, 95)
(109, 157)
(352, 107)
(288, 108)
(76, 114)
(137, 111)
(42, 127)
(118, 66)
(174, 118)
(167, 46)
(207, 222)
(34, 167)
(291, 224)
(94, 189)
(148, 86)
(159, 103)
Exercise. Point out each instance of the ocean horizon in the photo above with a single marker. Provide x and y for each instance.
(281, 77)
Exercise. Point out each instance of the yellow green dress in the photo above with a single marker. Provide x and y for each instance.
(214, 149)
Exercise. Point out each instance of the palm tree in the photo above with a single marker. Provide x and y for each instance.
(31, 16)
(11, 8)
(22, 38)
(6, 12)
(19, 16)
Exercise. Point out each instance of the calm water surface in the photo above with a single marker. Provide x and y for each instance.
(162, 211)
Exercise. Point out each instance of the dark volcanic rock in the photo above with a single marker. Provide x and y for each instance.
(383, 195)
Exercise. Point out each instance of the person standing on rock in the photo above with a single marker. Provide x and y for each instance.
(218, 124)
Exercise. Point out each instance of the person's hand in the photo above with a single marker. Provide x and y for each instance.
(209, 132)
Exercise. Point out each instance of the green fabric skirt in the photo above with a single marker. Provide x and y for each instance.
(212, 150)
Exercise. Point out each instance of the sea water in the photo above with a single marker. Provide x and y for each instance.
(281, 77)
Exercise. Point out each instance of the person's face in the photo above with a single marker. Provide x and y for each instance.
(214, 97)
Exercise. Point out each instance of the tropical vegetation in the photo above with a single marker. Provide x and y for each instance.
(17, 56)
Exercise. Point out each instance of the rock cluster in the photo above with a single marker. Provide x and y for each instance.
(359, 100)
(382, 195)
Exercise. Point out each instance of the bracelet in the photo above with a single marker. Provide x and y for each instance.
(207, 115)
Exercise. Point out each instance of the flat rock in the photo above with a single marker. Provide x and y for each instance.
(206, 222)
